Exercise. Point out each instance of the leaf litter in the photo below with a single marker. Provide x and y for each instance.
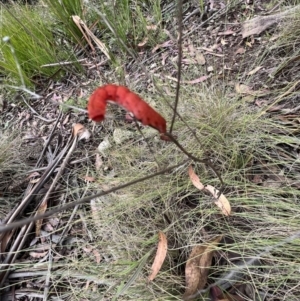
(220, 200)
(197, 267)
(160, 255)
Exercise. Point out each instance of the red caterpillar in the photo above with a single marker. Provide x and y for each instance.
(129, 101)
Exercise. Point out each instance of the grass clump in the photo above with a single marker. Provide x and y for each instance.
(131, 26)
(62, 11)
(33, 44)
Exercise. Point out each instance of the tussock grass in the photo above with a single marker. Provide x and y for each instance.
(132, 23)
(63, 11)
(34, 43)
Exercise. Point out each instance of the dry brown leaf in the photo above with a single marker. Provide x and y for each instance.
(80, 131)
(160, 255)
(88, 35)
(38, 224)
(195, 179)
(197, 267)
(244, 89)
(48, 227)
(221, 201)
(84, 134)
(240, 51)
(163, 45)
(143, 43)
(77, 127)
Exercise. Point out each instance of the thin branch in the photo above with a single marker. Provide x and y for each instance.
(25, 221)
(35, 112)
(178, 64)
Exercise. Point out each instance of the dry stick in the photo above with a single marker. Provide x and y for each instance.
(178, 64)
(35, 112)
(14, 252)
(68, 226)
(60, 171)
(25, 221)
(23, 234)
(175, 113)
(48, 140)
(49, 273)
(32, 193)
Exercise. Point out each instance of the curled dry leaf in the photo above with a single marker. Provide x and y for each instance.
(143, 43)
(41, 210)
(195, 179)
(77, 127)
(80, 131)
(221, 201)
(197, 268)
(160, 255)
